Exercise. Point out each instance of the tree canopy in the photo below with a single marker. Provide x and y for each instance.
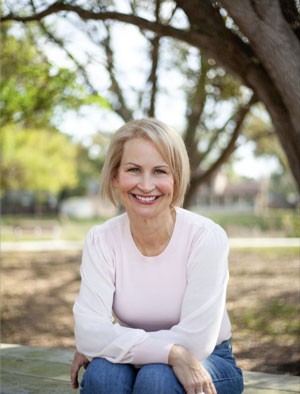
(37, 160)
(254, 41)
(36, 156)
(33, 91)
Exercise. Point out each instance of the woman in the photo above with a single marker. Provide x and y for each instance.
(162, 270)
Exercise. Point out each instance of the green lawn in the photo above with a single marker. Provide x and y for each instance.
(275, 223)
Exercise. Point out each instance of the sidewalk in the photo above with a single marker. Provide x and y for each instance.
(40, 246)
(43, 246)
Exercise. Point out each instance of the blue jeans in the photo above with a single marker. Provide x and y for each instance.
(103, 377)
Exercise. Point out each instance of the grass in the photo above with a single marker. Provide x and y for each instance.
(285, 222)
(278, 223)
(15, 228)
(263, 304)
(279, 320)
(285, 253)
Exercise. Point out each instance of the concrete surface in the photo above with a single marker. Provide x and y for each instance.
(32, 370)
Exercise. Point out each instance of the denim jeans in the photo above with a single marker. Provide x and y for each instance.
(103, 377)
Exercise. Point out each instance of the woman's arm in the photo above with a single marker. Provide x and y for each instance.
(96, 334)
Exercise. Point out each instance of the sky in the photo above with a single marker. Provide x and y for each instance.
(171, 109)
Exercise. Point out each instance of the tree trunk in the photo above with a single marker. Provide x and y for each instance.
(279, 52)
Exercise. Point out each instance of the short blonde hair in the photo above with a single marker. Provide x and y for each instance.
(167, 141)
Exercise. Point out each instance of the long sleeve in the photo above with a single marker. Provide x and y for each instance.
(200, 315)
(96, 334)
(204, 300)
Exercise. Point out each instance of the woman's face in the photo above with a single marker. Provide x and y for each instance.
(144, 179)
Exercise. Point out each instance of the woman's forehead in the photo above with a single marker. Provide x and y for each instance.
(141, 149)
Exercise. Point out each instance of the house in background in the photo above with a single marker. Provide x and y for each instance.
(219, 194)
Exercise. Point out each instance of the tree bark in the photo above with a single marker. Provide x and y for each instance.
(264, 18)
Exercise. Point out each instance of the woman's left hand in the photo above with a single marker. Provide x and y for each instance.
(79, 360)
(190, 373)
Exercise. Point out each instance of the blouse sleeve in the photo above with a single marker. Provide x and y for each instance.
(96, 334)
(203, 303)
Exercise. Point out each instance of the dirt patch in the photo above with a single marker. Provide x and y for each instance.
(39, 289)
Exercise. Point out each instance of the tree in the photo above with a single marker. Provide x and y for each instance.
(37, 159)
(238, 35)
(36, 156)
(33, 91)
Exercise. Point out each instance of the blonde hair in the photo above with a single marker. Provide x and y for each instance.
(167, 141)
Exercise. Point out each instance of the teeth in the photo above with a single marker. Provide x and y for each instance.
(146, 199)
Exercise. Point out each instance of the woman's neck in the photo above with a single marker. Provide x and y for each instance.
(152, 235)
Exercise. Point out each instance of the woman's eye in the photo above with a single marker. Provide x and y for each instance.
(160, 172)
(134, 170)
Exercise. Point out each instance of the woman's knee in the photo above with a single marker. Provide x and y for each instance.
(230, 386)
(157, 378)
(226, 376)
(104, 377)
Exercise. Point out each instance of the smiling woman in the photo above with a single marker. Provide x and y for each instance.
(166, 142)
(162, 270)
(143, 186)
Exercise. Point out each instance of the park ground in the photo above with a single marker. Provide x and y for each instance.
(39, 288)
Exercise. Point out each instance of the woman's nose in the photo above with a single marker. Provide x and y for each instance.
(146, 183)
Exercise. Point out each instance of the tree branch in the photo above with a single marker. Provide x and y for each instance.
(194, 112)
(206, 36)
(121, 108)
(61, 44)
(231, 146)
(154, 55)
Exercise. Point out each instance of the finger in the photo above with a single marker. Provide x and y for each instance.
(213, 389)
(210, 389)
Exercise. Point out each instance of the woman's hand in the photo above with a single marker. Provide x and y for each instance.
(79, 360)
(190, 373)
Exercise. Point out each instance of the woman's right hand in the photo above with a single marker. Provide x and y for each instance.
(190, 373)
(79, 360)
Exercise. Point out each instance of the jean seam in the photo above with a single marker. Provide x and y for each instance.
(223, 379)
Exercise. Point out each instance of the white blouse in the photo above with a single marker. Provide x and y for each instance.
(177, 297)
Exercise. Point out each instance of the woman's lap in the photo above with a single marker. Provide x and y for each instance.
(102, 376)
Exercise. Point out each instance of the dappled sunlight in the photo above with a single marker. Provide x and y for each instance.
(263, 304)
(39, 289)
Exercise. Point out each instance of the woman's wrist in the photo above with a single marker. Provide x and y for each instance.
(175, 354)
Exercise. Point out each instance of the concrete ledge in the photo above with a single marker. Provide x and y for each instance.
(32, 370)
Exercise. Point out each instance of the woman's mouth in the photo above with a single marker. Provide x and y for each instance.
(145, 199)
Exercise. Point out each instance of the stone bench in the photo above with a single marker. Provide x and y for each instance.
(31, 370)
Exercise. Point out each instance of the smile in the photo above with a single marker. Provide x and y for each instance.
(144, 199)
